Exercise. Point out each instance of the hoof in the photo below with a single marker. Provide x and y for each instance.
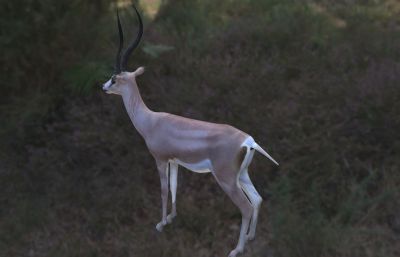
(160, 226)
(235, 252)
(170, 218)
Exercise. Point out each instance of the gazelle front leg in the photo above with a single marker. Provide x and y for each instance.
(163, 172)
(173, 184)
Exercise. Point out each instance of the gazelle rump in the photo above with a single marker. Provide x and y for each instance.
(222, 150)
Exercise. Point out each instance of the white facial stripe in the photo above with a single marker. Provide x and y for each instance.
(107, 85)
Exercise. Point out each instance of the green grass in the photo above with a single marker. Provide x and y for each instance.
(314, 82)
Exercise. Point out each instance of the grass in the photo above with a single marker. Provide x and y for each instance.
(314, 82)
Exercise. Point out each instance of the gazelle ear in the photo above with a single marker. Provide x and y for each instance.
(139, 71)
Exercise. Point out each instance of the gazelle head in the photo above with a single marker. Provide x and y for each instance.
(122, 78)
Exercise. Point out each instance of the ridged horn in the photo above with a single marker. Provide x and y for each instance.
(117, 68)
(134, 44)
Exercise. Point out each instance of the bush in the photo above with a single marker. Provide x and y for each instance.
(314, 82)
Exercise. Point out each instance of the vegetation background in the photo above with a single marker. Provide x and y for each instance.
(315, 82)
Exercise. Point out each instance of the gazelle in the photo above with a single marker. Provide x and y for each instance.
(222, 150)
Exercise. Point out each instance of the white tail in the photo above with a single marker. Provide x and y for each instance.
(263, 152)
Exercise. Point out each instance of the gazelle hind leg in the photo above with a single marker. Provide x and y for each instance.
(232, 189)
(255, 200)
(173, 184)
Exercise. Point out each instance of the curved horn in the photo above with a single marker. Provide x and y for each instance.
(121, 43)
(134, 44)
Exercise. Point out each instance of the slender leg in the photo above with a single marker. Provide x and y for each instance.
(163, 172)
(173, 183)
(230, 186)
(255, 200)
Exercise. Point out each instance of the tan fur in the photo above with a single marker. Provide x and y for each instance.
(170, 137)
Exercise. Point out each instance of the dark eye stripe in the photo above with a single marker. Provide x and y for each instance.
(112, 79)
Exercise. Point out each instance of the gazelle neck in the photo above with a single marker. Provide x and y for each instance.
(137, 109)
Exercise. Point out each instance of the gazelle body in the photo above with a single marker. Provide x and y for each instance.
(200, 146)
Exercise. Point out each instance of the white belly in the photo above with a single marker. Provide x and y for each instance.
(202, 166)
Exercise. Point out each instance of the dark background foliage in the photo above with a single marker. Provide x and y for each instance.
(315, 82)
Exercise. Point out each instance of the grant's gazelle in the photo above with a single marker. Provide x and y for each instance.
(199, 146)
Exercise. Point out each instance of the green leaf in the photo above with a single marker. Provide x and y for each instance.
(155, 50)
(84, 77)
